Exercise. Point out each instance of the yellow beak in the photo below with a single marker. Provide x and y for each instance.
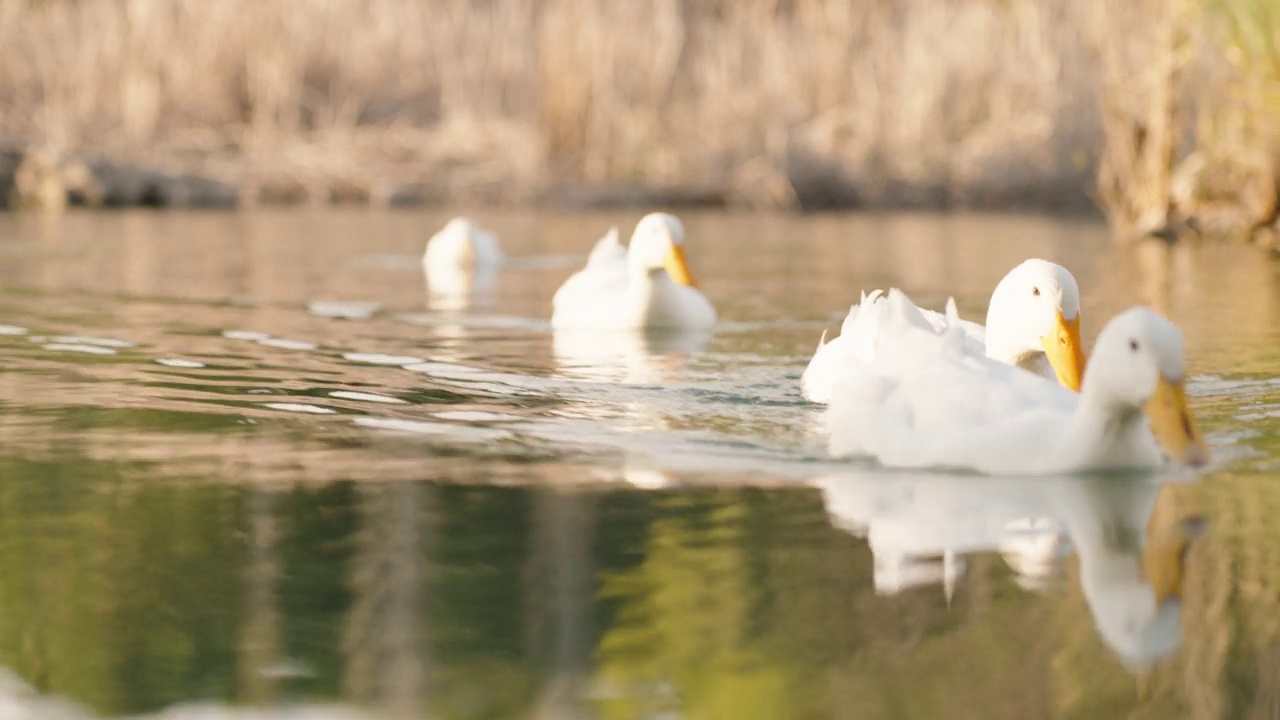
(1062, 347)
(1164, 560)
(678, 268)
(1172, 425)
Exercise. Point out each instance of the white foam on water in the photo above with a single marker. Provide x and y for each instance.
(80, 348)
(380, 359)
(99, 341)
(285, 344)
(179, 363)
(1210, 385)
(420, 427)
(1258, 415)
(347, 310)
(368, 397)
(244, 335)
(301, 408)
(445, 370)
(474, 416)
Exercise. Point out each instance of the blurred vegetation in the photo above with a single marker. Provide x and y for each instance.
(1164, 113)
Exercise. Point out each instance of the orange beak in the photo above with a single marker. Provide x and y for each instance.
(678, 268)
(1063, 348)
(1172, 426)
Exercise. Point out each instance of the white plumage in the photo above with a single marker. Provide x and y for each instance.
(461, 262)
(647, 286)
(1032, 322)
(925, 400)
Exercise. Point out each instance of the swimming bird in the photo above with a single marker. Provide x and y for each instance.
(925, 401)
(461, 260)
(646, 286)
(1033, 321)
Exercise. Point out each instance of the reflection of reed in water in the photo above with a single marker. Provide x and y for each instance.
(1233, 630)
(562, 580)
(260, 644)
(384, 642)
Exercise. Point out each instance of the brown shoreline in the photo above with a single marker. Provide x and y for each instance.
(41, 180)
(38, 180)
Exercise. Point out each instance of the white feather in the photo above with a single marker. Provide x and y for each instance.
(925, 400)
(1016, 321)
(630, 290)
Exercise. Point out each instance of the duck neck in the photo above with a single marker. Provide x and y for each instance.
(640, 271)
(1102, 424)
(1033, 360)
(1000, 349)
(650, 288)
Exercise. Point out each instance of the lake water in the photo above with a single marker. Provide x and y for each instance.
(248, 465)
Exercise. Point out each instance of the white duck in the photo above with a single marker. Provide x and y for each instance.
(647, 286)
(1033, 321)
(923, 401)
(461, 261)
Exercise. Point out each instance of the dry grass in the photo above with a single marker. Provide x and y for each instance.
(1140, 99)
(370, 95)
(760, 103)
(1189, 98)
(766, 102)
(1231, 172)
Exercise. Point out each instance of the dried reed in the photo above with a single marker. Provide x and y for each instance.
(764, 102)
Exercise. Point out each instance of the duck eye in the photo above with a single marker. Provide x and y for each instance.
(1035, 291)
(1133, 345)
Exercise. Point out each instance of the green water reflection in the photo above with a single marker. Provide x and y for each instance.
(127, 589)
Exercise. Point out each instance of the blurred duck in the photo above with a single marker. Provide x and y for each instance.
(646, 286)
(461, 262)
(925, 401)
(1033, 321)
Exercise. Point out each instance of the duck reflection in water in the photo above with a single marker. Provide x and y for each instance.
(629, 357)
(1132, 565)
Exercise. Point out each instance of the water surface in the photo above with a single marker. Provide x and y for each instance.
(249, 462)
